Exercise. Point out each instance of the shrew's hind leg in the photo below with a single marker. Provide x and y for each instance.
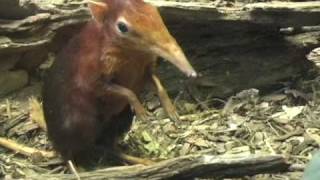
(113, 129)
(165, 100)
(73, 133)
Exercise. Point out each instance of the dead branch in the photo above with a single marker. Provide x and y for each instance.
(204, 166)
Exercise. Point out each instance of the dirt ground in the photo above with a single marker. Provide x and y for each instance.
(283, 120)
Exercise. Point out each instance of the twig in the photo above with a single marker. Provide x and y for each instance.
(303, 29)
(135, 160)
(297, 167)
(272, 128)
(8, 109)
(15, 121)
(24, 150)
(290, 134)
(73, 170)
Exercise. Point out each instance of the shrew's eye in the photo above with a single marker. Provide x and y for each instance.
(122, 27)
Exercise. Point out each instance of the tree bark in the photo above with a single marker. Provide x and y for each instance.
(233, 48)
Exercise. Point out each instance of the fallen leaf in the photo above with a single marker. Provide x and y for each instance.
(198, 142)
(314, 134)
(287, 114)
(36, 113)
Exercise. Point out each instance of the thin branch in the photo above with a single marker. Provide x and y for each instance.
(24, 150)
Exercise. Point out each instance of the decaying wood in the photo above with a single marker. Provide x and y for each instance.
(44, 19)
(302, 29)
(314, 56)
(241, 48)
(257, 45)
(37, 30)
(282, 14)
(186, 167)
(226, 45)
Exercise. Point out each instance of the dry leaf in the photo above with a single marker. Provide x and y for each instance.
(314, 134)
(287, 114)
(36, 113)
(198, 142)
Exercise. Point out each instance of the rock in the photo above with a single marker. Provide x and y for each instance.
(314, 56)
(312, 171)
(32, 59)
(12, 80)
(7, 62)
(13, 10)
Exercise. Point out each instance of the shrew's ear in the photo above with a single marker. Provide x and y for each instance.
(98, 10)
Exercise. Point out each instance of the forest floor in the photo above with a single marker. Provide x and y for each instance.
(283, 120)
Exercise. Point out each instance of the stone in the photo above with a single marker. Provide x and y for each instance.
(7, 62)
(32, 59)
(11, 81)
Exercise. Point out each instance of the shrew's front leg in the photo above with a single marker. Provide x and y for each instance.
(141, 113)
(164, 99)
(131, 97)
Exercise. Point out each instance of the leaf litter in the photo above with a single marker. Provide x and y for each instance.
(250, 122)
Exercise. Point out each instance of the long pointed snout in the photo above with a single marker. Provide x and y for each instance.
(172, 52)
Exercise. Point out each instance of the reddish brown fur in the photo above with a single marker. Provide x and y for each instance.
(69, 94)
(122, 65)
(80, 111)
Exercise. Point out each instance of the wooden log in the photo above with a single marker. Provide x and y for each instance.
(314, 56)
(233, 56)
(282, 14)
(39, 20)
(37, 30)
(10, 9)
(227, 45)
(241, 48)
(187, 167)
